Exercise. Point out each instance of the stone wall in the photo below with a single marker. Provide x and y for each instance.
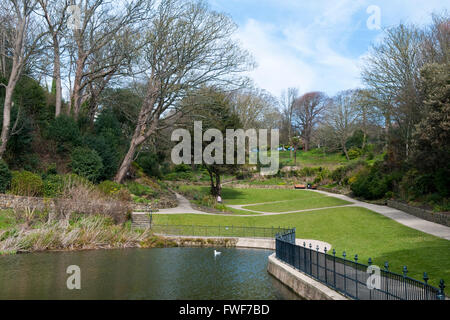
(8, 201)
(441, 218)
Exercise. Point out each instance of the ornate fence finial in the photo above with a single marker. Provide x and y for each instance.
(425, 277)
(441, 295)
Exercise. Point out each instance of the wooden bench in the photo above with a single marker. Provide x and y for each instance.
(300, 186)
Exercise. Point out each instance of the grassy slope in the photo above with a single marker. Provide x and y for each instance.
(313, 158)
(356, 230)
(300, 204)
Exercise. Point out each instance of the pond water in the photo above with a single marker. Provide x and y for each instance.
(160, 274)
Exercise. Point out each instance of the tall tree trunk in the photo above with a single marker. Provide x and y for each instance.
(75, 104)
(57, 78)
(14, 77)
(345, 150)
(290, 139)
(126, 163)
(6, 119)
(3, 55)
(216, 186)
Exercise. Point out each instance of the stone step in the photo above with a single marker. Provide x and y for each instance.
(139, 226)
(141, 219)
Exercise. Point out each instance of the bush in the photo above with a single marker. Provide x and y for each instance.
(106, 148)
(354, 153)
(87, 163)
(183, 168)
(5, 176)
(25, 183)
(54, 185)
(139, 189)
(114, 190)
(65, 132)
(179, 176)
(370, 184)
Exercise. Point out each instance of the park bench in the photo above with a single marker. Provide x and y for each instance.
(302, 186)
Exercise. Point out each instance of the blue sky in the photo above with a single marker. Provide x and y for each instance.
(316, 45)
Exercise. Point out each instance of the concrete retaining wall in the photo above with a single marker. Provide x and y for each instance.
(440, 218)
(300, 283)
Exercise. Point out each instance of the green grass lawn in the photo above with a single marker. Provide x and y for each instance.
(253, 196)
(299, 204)
(313, 158)
(7, 219)
(355, 230)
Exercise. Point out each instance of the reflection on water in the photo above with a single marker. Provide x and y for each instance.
(175, 273)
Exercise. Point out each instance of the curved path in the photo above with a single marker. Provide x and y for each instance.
(404, 218)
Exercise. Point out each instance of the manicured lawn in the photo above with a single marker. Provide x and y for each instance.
(355, 230)
(313, 158)
(299, 204)
(254, 196)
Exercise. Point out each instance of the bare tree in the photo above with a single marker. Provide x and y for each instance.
(103, 23)
(307, 112)
(342, 117)
(254, 107)
(25, 37)
(287, 102)
(188, 47)
(54, 13)
(392, 71)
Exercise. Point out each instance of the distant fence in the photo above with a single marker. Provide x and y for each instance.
(218, 231)
(351, 277)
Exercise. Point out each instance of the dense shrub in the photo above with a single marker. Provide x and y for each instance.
(183, 168)
(51, 169)
(65, 132)
(139, 189)
(179, 176)
(54, 185)
(354, 153)
(25, 183)
(114, 190)
(106, 148)
(87, 163)
(150, 163)
(371, 183)
(341, 175)
(5, 176)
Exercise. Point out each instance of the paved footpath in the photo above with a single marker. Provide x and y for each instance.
(404, 218)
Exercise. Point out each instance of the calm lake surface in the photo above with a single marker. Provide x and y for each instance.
(161, 274)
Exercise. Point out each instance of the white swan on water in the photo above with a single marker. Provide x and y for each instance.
(217, 253)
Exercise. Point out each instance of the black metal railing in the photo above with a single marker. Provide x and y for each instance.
(218, 231)
(354, 279)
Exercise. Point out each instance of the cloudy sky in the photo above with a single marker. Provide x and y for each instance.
(316, 44)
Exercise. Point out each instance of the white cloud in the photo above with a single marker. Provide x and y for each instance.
(316, 45)
(278, 68)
